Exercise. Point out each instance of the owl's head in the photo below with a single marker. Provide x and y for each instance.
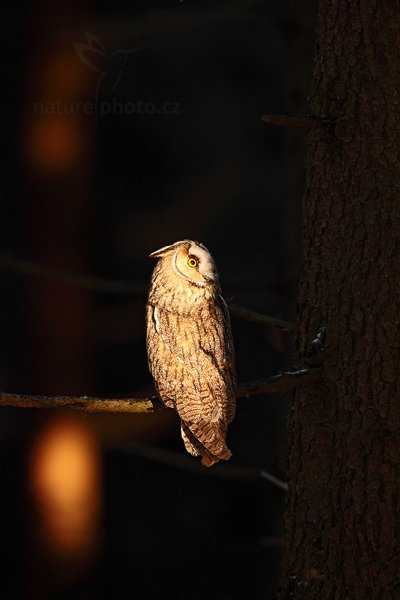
(190, 260)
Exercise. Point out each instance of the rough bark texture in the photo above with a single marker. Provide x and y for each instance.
(342, 538)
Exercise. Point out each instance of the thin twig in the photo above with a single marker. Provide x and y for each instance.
(87, 282)
(274, 480)
(181, 461)
(297, 121)
(281, 383)
(134, 289)
(251, 315)
(278, 384)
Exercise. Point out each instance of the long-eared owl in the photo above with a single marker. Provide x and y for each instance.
(190, 347)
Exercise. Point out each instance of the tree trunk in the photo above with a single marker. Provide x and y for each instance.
(342, 529)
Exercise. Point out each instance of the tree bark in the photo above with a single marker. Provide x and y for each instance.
(342, 527)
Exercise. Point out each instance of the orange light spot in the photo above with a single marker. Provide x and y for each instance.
(55, 142)
(65, 479)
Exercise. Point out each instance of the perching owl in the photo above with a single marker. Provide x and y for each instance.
(190, 347)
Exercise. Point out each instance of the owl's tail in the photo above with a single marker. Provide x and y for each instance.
(215, 450)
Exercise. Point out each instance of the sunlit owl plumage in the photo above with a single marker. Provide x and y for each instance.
(190, 347)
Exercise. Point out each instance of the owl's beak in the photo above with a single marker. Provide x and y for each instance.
(164, 251)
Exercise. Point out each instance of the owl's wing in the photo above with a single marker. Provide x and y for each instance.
(220, 343)
(203, 346)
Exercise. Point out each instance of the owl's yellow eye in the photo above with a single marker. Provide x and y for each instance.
(192, 262)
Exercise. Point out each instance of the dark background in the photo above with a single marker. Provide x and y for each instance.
(127, 127)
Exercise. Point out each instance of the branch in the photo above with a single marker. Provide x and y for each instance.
(274, 480)
(133, 289)
(182, 461)
(278, 384)
(87, 282)
(299, 121)
(281, 383)
(251, 315)
(87, 404)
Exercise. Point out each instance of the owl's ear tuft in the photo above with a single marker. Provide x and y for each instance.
(164, 251)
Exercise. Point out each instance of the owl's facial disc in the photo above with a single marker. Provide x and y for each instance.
(190, 260)
(194, 262)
